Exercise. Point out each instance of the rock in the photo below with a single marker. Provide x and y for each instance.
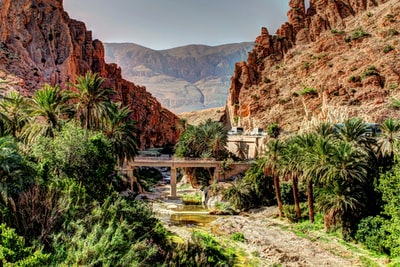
(40, 43)
(326, 47)
(213, 195)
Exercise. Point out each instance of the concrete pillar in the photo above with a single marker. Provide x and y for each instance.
(173, 183)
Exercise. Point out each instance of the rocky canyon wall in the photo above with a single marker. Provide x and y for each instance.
(345, 52)
(40, 43)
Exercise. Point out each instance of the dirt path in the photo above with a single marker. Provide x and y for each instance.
(266, 238)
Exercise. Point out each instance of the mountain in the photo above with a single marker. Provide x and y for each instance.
(186, 78)
(330, 61)
(40, 43)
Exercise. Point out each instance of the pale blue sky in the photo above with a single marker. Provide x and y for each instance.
(162, 24)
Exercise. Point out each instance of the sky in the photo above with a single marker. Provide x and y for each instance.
(163, 24)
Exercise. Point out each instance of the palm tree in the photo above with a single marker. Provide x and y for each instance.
(239, 194)
(122, 131)
(345, 171)
(47, 108)
(291, 166)
(206, 140)
(13, 115)
(306, 143)
(270, 164)
(389, 138)
(91, 100)
(355, 131)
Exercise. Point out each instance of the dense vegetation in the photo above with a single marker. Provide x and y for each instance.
(59, 200)
(349, 172)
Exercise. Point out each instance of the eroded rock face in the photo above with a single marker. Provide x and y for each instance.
(329, 48)
(40, 43)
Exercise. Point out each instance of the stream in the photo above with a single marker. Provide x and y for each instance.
(192, 216)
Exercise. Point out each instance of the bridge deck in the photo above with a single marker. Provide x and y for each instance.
(173, 163)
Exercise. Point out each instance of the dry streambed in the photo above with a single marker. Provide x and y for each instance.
(268, 242)
(266, 238)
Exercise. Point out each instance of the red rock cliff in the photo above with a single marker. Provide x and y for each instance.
(40, 43)
(328, 48)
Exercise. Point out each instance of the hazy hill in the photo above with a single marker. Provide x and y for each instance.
(183, 79)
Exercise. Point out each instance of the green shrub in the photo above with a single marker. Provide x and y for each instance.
(236, 119)
(393, 32)
(148, 176)
(267, 80)
(240, 195)
(116, 233)
(371, 234)
(14, 251)
(287, 193)
(388, 48)
(78, 154)
(306, 65)
(370, 71)
(204, 251)
(309, 91)
(273, 130)
(290, 212)
(357, 34)
(237, 236)
(337, 32)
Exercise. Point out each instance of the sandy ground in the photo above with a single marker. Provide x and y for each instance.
(268, 242)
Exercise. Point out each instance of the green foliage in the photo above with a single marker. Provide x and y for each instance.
(116, 233)
(204, 251)
(239, 194)
(78, 154)
(267, 80)
(357, 34)
(290, 212)
(395, 103)
(238, 236)
(148, 176)
(13, 118)
(389, 186)
(15, 252)
(236, 119)
(287, 193)
(91, 100)
(370, 71)
(46, 109)
(121, 131)
(388, 48)
(393, 32)
(207, 140)
(371, 233)
(306, 65)
(261, 186)
(15, 171)
(337, 32)
(273, 130)
(308, 91)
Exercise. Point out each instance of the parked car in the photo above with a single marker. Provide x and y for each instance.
(236, 131)
(258, 131)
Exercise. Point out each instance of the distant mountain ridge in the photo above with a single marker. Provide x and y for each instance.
(186, 78)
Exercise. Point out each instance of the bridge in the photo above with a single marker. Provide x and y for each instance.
(174, 163)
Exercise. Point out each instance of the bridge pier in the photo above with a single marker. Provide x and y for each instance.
(173, 184)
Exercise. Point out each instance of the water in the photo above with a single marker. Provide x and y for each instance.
(187, 215)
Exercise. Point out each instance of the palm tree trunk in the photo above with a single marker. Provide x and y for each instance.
(296, 196)
(278, 194)
(310, 198)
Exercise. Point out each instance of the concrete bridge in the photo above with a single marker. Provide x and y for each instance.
(174, 163)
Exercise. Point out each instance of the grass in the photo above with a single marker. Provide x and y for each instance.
(192, 199)
(308, 91)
